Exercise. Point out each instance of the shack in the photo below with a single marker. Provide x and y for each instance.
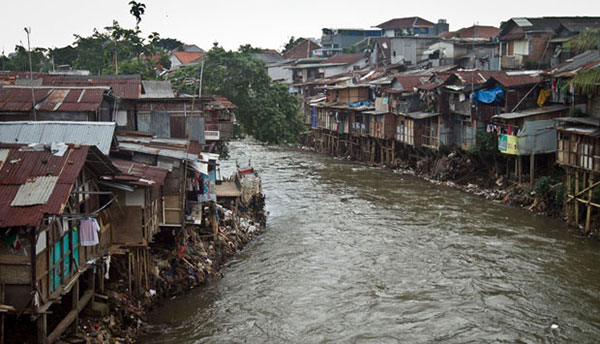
(527, 134)
(54, 229)
(54, 103)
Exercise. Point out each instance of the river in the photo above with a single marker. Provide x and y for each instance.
(353, 254)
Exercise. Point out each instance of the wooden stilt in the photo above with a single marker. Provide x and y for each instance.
(42, 329)
(532, 170)
(589, 206)
(576, 203)
(75, 304)
(567, 205)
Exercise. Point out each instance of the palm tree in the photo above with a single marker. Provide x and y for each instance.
(137, 10)
(586, 80)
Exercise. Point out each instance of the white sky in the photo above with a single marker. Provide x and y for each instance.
(262, 23)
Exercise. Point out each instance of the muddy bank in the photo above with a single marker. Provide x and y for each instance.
(179, 260)
(479, 175)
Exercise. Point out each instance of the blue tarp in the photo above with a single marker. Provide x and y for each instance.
(359, 104)
(490, 96)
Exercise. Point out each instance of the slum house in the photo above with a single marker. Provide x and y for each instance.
(412, 26)
(578, 142)
(416, 124)
(304, 49)
(464, 117)
(206, 119)
(304, 70)
(56, 103)
(313, 93)
(561, 74)
(578, 135)
(333, 41)
(343, 63)
(126, 89)
(409, 50)
(135, 216)
(534, 42)
(55, 232)
(520, 118)
(99, 134)
(529, 134)
(342, 128)
(468, 53)
(188, 185)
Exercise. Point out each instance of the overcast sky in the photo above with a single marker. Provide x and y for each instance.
(262, 23)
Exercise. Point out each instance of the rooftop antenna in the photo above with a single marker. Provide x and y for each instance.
(28, 31)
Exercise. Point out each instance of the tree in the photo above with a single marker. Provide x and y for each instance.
(291, 43)
(586, 40)
(137, 10)
(168, 44)
(265, 109)
(63, 56)
(586, 81)
(19, 61)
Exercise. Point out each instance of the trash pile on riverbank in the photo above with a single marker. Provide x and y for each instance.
(470, 173)
(187, 259)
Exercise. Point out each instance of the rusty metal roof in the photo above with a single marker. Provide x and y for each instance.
(123, 86)
(138, 173)
(516, 79)
(25, 165)
(345, 58)
(76, 99)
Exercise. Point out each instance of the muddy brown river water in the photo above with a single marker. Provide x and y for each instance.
(353, 254)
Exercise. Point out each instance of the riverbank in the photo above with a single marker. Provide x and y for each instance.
(360, 254)
(465, 171)
(179, 260)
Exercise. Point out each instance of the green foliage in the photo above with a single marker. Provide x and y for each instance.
(485, 143)
(586, 81)
(291, 43)
(543, 186)
(559, 194)
(137, 10)
(353, 49)
(167, 43)
(20, 60)
(249, 49)
(104, 51)
(586, 40)
(266, 110)
(63, 56)
(145, 68)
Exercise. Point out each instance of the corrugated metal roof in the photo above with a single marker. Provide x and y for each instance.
(344, 58)
(532, 112)
(156, 89)
(99, 134)
(515, 80)
(35, 191)
(138, 173)
(27, 163)
(420, 114)
(18, 99)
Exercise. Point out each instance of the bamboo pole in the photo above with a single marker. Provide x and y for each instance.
(589, 208)
(576, 203)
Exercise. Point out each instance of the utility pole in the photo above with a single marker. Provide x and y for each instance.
(28, 31)
(200, 84)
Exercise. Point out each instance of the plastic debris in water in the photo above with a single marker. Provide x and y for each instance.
(554, 326)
